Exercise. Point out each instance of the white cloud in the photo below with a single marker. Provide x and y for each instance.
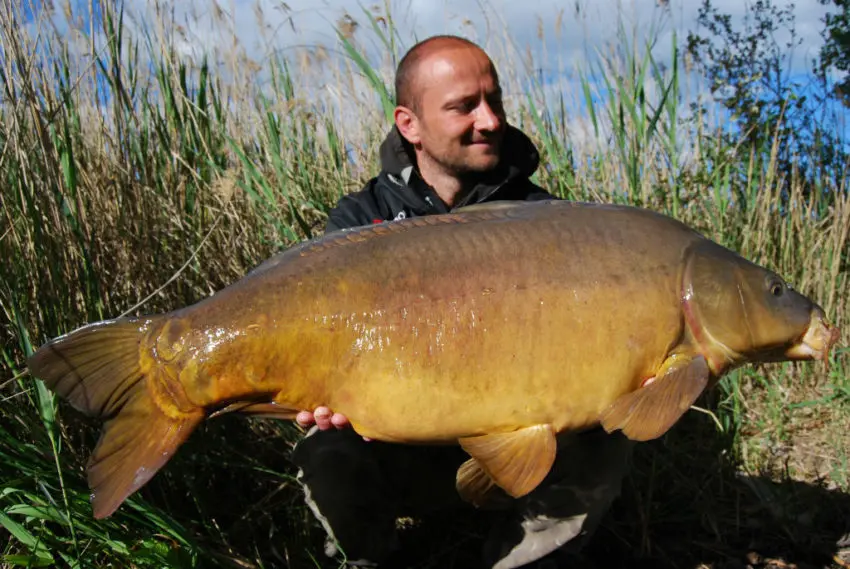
(570, 31)
(562, 39)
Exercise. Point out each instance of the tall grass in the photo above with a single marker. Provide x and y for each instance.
(136, 180)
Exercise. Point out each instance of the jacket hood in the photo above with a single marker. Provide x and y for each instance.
(519, 159)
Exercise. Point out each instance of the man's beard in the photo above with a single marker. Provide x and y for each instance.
(461, 168)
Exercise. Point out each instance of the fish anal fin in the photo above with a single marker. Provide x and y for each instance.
(473, 483)
(650, 411)
(516, 461)
(266, 409)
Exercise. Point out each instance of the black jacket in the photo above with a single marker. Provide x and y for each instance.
(399, 192)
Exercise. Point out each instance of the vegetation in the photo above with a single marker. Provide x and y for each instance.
(136, 179)
(835, 52)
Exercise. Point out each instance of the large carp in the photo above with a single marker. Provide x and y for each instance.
(495, 328)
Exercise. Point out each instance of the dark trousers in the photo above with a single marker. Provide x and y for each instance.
(358, 490)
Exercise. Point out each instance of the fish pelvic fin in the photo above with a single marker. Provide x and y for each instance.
(98, 369)
(650, 411)
(516, 461)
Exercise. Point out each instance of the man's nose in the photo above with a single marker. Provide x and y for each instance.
(485, 118)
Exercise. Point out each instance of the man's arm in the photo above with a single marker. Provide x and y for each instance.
(354, 210)
(527, 191)
(537, 193)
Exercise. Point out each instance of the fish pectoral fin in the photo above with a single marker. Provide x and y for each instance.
(267, 409)
(516, 461)
(650, 411)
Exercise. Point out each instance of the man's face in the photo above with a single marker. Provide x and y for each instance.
(460, 119)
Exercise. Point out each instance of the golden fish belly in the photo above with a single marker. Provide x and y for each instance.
(496, 363)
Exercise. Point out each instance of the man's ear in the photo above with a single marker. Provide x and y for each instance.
(407, 124)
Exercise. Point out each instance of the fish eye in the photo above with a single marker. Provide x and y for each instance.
(776, 288)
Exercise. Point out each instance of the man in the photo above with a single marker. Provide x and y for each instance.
(450, 146)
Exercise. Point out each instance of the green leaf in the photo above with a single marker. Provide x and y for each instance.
(28, 560)
(26, 538)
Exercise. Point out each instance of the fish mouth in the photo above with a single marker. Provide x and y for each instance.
(816, 343)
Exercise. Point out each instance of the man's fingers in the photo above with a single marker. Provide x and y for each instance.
(323, 417)
(339, 420)
(304, 418)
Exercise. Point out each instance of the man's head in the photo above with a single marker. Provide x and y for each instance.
(449, 106)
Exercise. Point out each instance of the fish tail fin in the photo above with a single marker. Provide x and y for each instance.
(97, 368)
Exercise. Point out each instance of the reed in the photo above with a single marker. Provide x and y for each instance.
(137, 179)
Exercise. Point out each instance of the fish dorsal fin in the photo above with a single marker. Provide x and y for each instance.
(650, 411)
(352, 235)
(489, 206)
(516, 461)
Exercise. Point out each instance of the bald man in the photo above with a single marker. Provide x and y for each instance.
(450, 146)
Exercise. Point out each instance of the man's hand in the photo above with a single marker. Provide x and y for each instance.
(323, 417)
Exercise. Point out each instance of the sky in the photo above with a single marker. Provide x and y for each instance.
(563, 37)
(571, 28)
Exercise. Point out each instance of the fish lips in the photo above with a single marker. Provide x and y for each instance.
(815, 344)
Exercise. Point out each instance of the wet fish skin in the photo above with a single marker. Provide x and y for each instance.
(493, 328)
